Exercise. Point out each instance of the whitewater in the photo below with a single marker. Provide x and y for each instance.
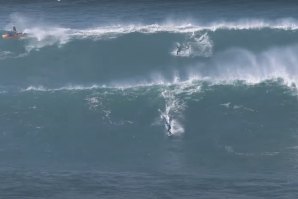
(149, 99)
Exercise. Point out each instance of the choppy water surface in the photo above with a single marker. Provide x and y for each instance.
(149, 99)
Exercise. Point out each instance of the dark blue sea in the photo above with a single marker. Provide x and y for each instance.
(149, 99)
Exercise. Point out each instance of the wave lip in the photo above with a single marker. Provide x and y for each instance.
(40, 33)
(283, 24)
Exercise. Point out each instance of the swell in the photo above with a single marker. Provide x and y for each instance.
(211, 125)
(252, 55)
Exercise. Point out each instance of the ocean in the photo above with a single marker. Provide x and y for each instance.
(149, 99)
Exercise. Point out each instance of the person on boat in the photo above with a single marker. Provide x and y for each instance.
(13, 32)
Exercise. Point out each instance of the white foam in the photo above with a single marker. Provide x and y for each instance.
(5, 54)
(172, 113)
(8, 55)
(197, 45)
(39, 37)
(64, 88)
(232, 65)
(243, 24)
(36, 88)
(42, 30)
(253, 68)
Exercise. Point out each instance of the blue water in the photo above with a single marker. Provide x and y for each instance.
(149, 99)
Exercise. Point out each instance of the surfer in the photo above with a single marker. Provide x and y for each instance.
(181, 47)
(168, 125)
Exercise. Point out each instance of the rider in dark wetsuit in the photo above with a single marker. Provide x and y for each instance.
(181, 47)
(168, 125)
(13, 32)
(169, 129)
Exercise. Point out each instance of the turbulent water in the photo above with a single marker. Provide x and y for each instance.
(149, 99)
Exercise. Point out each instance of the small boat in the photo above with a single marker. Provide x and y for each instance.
(13, 35)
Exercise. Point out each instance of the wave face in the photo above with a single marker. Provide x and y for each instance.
(210, 124)
(148, 54)
(144, 107)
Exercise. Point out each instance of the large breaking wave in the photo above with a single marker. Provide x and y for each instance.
(252, 51)
(218, 86)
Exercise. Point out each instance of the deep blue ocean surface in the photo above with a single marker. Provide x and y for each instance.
(149, 99)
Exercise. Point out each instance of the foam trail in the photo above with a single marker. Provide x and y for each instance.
(40, 37)
(5, 55)
(172, 114)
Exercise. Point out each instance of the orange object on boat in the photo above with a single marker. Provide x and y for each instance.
(12, 36)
